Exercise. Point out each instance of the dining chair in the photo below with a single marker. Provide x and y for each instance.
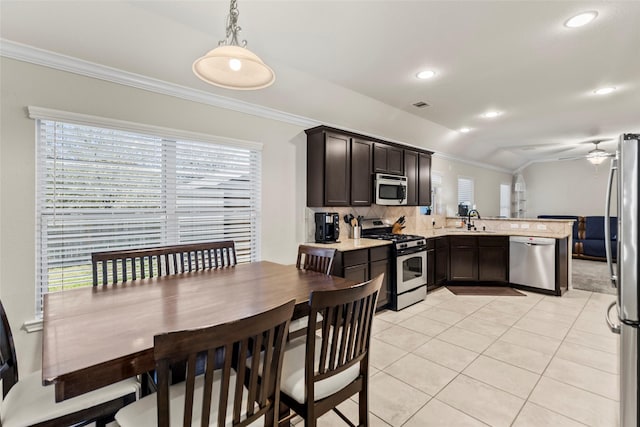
(311, 258)
(26, 402)
(130, 264)
(322, 370)
(245, 391)
(315, 259)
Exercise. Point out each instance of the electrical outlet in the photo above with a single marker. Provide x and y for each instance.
(524, 225)
(541, 226)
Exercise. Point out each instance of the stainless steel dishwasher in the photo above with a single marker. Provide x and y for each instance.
(532, 262)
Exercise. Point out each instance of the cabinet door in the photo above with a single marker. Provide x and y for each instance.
(493, 258)
(424, 179)
(493, 264)
(431, 268)
(394, 161)
(463, 263)
(442, 265)
(411, 172)
(387, 159)
(337, 182)
(463, 258)
(361, 188)
(378, 267)
(358, 273)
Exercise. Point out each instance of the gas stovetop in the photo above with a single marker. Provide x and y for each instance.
(381, 229)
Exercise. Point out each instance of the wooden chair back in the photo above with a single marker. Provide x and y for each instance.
(124, 265)
(347, 315)
(263, 334)
(8, 359)
(315, 258)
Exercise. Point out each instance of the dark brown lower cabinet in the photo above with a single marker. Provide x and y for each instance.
(463, 259)
(442, 260)
(361, 265)
(479, 259)
(493, 258)
(437, 261)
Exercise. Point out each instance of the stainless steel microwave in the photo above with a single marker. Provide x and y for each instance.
(390, 190)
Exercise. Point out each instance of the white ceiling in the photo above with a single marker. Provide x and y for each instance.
(513, 56)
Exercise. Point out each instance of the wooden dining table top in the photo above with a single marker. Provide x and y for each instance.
(98, 336)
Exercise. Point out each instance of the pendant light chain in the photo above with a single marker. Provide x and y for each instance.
(233, 29)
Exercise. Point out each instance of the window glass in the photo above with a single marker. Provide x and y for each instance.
(108, 189)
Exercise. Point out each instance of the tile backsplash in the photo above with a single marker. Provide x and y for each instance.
(413, 219)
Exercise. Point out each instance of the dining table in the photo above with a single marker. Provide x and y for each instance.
(97, 336)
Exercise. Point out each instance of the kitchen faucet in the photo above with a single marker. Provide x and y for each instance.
(469, 225)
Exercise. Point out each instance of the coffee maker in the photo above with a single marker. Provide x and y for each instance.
(327, 227)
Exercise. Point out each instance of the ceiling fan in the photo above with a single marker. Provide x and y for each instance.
(595, 156)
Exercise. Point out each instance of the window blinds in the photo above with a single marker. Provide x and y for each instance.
(465, 191)
(105, 189)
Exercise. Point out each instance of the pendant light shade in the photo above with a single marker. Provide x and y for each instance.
(234, 67)
(231, 65)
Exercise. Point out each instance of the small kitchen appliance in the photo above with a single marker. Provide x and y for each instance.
(625, 273)
(408, 278)
(327, 227)
(390, 190)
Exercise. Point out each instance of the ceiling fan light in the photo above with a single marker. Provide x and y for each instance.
(596, 160)
(234, 67)
(597, 156)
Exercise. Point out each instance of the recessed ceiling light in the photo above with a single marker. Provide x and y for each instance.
(492, 114)
(426, 74)
(465, 130)
(604, 90)
(581, 19)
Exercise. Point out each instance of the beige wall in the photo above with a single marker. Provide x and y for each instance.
(570, 187)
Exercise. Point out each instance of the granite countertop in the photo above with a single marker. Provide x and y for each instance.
(345, 245)
(519, 232)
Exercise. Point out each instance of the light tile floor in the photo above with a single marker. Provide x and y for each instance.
(499, 361)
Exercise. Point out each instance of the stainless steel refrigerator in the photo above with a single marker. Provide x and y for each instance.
(624, 275)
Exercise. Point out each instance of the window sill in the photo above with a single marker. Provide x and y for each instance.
(34, 325)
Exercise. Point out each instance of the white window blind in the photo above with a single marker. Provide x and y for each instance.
(105, 189)
(465, 191)
(505, 200)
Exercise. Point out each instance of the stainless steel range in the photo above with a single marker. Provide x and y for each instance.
(408, 281)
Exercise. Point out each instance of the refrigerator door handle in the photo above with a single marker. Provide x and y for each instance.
(614, 328)
(607, 224)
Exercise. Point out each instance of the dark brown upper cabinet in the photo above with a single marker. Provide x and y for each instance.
(387, 159)
(338, 170)
(417, 168)
(361, 182)
(341, 164)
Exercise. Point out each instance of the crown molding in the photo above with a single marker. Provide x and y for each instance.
(33, 55)
(472, 163)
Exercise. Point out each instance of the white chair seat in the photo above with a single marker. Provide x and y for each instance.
(292, 381)
(29, 402)
(301, 323)
(144, 413)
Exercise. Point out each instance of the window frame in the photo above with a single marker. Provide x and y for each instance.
(167, 136)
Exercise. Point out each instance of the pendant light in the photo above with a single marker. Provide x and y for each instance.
(231, 65)
(597, 155)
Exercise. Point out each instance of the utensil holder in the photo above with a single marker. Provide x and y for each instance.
(357, 231)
